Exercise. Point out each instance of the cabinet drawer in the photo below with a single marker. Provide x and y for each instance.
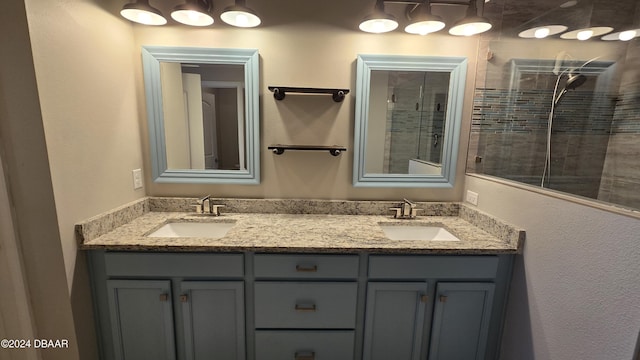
(174, 265)
(304, 345)
(306, 266)
(437, 267)
(299, 305)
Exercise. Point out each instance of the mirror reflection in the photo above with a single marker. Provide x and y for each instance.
(203, 108)
(406, 122)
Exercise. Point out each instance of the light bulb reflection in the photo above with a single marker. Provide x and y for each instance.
(627, 35)
(584, 35)
(541, 33)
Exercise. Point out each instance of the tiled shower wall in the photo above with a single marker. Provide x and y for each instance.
(413, 121)
(595, 140)
(509, 129)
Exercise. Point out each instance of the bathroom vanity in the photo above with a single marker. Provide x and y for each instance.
(300, 286)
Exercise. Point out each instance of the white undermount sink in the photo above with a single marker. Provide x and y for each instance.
(213, 230)
(417, 232)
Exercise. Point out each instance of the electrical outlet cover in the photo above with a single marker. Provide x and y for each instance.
(472, 197)
(137, 179)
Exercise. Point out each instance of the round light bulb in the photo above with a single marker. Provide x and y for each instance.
(143, 17)
(627, 35)
(424, 27)
(192, 17)
(469, 30)
(584, 35)
(378, 26)
(242, 20)
(541, 33)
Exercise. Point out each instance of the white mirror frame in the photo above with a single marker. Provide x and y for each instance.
(457, 67)
(249, 58)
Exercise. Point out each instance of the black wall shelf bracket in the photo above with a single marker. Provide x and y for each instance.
(279, 92)
(334, 150)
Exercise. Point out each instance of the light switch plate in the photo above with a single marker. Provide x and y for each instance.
(472, 197)
(137, 179)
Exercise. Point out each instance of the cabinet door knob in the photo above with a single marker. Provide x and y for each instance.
(443, 298)
(164, 297)
(302, 268)
(306, 307)
(304, 355)
(424, 298)
(184, 298)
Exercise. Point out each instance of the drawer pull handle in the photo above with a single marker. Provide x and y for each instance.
(164, 297)
(301, 268)
(424, 298)
(443, 298)
(306, 307)
(305, 355)
(184, 298)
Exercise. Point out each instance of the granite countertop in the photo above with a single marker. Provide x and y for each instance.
(127, 228)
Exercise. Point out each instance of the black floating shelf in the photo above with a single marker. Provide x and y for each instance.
(333, 150)
(280, 91)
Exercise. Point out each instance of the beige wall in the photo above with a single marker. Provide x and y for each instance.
(16, 316)
(310, 55)
(85, 73)
(575, 289)
(30, 194)
(84, 68)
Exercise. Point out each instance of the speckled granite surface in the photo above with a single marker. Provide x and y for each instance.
(298, 226)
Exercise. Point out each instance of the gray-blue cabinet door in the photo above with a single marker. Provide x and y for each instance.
(394, 320)
(141, 319)
(213, 313)
(461, 321)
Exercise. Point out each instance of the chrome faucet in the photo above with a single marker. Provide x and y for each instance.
(406, 210)
(206, 207)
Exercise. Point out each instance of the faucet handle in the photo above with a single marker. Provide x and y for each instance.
(398, 212)
(414, 212)
(215, 209)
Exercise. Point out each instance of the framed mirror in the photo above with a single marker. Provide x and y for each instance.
(407, 120)
(202, 107)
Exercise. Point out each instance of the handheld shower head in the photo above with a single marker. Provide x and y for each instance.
(574, 81)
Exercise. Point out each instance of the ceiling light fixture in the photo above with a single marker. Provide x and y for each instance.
(193, 12)
(622, 35)
(142, 13)
(586, 33)
(239, 15)
(472, 23)
(379, 21)
(541, 32)
(424, 22)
